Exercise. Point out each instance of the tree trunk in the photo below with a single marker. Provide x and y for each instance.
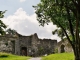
(77, 42)
(77, 55)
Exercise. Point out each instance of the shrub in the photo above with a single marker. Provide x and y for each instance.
(3, 55)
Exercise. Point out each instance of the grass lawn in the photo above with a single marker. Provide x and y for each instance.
(5, 56)
(61, 56)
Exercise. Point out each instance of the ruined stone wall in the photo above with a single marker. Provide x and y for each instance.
(42, 46)
(7, 44)
(31, 45)
(47, 45)
(64, 46)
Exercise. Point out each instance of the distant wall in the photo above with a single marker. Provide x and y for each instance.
(64, 46)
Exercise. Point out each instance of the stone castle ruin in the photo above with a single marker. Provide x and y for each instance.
(27, 45)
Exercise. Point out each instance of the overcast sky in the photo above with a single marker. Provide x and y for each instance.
(21, 17)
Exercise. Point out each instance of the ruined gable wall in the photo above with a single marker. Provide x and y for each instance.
(67, 46)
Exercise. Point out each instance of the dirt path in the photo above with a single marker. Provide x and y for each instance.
(36, 58)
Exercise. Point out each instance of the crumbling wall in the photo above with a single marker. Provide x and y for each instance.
(67, 47)
(31, 45)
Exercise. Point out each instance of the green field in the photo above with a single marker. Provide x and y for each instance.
(61, 56)
(5, 56)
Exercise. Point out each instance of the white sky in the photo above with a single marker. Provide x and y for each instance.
(21, 17)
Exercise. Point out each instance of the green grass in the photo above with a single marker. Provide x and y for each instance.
(6, 56)
(61, 56)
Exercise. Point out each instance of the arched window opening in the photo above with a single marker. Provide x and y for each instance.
(62, 48)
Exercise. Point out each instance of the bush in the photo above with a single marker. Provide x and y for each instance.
(3, 55)
(56, 50)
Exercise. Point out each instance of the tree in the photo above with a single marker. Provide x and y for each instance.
(11, 31)
(66, 15)
(59, 32)
(2, 25)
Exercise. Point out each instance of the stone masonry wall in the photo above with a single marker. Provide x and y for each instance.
(64, 46)
(27, 45)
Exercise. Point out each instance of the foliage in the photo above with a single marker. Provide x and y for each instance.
(6, 56)
(59, 32)
(61, 56)
(56, 50)
(2, 55)
(40, 50)
(66, 15)
(10, 31)
(2, 25)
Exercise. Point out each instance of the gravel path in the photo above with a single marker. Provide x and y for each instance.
(36, 58)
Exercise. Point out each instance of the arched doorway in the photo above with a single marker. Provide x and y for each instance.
(62, 48)
(24, 51)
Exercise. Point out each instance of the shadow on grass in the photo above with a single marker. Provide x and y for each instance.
(4, 56)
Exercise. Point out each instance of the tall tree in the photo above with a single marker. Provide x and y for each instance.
(66, 15)
(2, 25)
